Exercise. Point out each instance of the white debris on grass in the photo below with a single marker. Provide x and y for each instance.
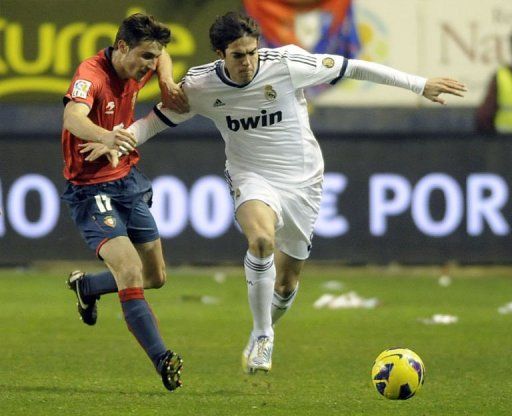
(209, 300)
(204, 299)
(445, 280)
(323, 301)
(505, 309)
(350, 300)
(332, 285)
(440, 319)
(219, 277)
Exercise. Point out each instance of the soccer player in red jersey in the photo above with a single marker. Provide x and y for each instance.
(109, 198)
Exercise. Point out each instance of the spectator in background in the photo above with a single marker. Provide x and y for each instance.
(495, 113)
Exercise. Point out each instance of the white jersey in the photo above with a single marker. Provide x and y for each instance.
(265, 123)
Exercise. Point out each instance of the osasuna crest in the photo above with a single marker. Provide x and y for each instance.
(110, 221)
(270, 93)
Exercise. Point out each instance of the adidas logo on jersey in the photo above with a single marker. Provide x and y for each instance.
(218, 103)
(262, 120)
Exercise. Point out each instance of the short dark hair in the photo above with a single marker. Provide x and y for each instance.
(230, 27)
(140, 27)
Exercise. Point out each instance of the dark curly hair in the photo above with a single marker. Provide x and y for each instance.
(230, 27)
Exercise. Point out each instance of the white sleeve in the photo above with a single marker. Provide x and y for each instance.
(145, 128)
(308, 69)
(155, 122)
(171, 118)
(381, 74)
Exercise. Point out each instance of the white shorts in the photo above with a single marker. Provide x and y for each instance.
(296, 209)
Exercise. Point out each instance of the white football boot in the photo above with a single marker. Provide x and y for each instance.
(260, 356)
(246, 352)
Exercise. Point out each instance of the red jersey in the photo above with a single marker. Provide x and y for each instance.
(112, 102)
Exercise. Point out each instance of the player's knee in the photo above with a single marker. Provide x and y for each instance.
(262, 245)
(285, 289)
(155, 279)
(130, 276)
(286, 282)
(159, 279)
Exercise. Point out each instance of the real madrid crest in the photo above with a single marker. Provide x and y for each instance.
(328, 62)
(270, 93)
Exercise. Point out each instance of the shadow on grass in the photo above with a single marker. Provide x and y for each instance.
(74, 390)
(118, 391)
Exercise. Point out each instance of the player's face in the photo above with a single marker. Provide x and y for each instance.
(137, 61)
(241, 59)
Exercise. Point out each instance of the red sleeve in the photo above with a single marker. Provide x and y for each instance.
(85, 85)
(487, 110)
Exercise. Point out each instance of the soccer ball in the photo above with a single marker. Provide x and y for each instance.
(398, 373)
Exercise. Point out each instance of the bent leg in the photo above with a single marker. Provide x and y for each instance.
(123, 260)
(92, 285)
(287, 283)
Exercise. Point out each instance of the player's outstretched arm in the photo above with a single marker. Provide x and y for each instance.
(142, 130)
(157, 120)
(382, 74)
(434, 87)
(172, 94)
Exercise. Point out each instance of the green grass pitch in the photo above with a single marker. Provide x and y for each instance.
(52, 364)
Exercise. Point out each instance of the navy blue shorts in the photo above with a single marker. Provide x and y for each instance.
(111, 209)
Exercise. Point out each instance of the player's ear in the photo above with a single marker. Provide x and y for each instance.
(122, 46)
(220, 54)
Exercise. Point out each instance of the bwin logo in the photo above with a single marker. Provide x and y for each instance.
(262, 120)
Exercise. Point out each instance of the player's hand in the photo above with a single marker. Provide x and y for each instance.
(119, 139)
(97, 150)
(437, 86)
(173, 97)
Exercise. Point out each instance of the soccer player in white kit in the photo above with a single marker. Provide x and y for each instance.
(274, 165)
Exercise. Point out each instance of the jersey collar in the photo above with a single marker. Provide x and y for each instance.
(108, 54)
(221, 73)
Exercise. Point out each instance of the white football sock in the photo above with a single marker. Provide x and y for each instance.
(260, 276)
(280, 305)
